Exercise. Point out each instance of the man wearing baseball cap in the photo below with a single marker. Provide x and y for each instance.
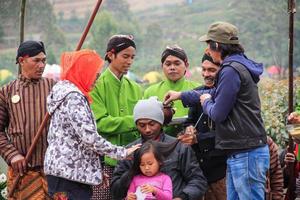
(114, 97)
(235, 108)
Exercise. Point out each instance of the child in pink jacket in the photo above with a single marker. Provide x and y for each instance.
(148, 182)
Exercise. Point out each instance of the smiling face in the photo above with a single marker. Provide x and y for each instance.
(174, 68)
(149, 166)
(33, 67)
(122, 61)
(209, 73)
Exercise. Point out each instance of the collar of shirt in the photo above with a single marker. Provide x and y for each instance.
(26, 81)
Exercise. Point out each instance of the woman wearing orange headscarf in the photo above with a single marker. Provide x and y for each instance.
(72, 161)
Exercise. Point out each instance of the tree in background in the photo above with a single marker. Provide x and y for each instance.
(265, 31)
(103, 28)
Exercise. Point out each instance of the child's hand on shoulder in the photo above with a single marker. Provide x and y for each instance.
(148, 189)
(131, 196)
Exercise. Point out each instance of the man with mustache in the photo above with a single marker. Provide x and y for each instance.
(200, 134)
(235, 109)
(174, 63)
(181, 165)
(22, 109)
(114, 97)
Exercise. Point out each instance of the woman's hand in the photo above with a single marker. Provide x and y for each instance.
(132, 149)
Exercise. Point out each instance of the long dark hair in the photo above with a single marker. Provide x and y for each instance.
(160, 151)
(226, 49)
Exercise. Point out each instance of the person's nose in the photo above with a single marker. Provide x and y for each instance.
(205, 73)
(147, 129)
(129, 61)
(172, 67)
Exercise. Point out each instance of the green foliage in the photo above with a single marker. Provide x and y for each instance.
(8, 61)
(265, 31)
(3, 189)
(104, 27)
(274, 103)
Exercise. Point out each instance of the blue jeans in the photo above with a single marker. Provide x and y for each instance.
(246, 174)
(71, 189)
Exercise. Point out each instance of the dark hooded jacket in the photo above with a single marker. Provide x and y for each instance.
(188, 180)
(235, 106)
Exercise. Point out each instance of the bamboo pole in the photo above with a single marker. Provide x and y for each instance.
(47, 115)
(291, 167)
(22, 22)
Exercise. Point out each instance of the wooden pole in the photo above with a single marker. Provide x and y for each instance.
(87, 28)
(291, 167)
(22, 22)
(47, 115)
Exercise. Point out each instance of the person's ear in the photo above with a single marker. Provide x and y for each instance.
(187, 64)
(110, 55)
(21, 60)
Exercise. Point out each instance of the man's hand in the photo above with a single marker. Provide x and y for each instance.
(203, 97)
(18, 164)
(171, 96)
(131, 196)
(189, 136)
(294, 118)
(177, 198)
(289, 158)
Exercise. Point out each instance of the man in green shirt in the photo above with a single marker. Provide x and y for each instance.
(114, 97)
(174, 64)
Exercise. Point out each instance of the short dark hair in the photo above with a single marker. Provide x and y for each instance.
(225, 49)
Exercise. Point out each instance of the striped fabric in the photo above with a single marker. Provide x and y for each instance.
(32, 186)
(22, 108)
(274, 186)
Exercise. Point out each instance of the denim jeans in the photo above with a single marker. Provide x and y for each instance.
(70, 189)
(246, 174)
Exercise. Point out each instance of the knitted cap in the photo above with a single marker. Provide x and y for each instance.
(149, 109)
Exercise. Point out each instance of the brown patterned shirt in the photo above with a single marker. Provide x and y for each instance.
(274, 185)
(22, 109)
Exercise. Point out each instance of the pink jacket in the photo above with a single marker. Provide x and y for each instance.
(161, 181)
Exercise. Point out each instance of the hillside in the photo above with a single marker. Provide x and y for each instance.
(141, 5)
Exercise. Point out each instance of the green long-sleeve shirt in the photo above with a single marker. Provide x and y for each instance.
(113, 103)
(161, 88)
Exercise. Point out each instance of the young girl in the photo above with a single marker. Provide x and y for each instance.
(148, 182)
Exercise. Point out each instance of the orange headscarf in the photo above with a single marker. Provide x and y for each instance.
(81, 68)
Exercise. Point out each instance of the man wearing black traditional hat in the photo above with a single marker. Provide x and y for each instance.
(200, 134)
(174, 63)
(22, 108)
(114, 97)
